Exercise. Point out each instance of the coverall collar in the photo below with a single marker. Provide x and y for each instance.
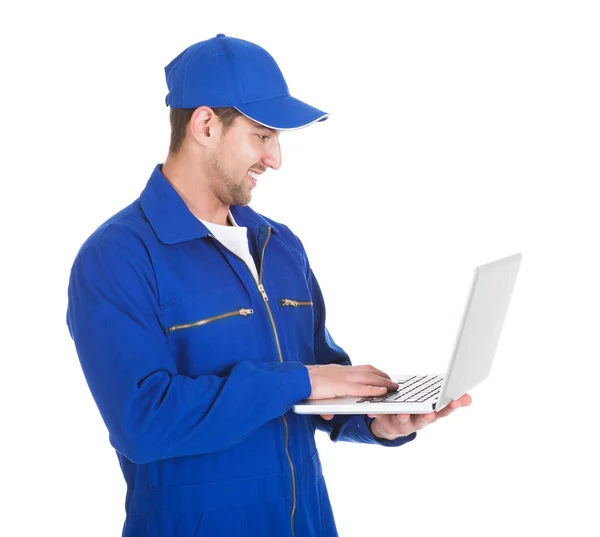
(173, 222)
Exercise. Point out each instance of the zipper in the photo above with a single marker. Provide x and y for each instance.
(261, 289)
(295, 303)
(243, 312)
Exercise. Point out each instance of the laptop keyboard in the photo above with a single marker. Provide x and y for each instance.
(416, 389)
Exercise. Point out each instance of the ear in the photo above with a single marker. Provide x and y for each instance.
(205, 127)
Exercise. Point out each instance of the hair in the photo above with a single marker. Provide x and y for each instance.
(180, 117)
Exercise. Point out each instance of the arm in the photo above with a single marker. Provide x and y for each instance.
(150, 410)
(345, 427)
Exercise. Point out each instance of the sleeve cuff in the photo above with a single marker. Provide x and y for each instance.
(295, 383)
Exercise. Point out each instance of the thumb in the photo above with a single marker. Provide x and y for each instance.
(327, 416)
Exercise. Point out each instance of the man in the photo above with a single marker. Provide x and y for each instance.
(199, 323)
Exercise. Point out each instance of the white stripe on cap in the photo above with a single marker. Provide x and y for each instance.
(324, 116)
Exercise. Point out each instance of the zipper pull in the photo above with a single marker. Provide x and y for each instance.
(261, 288)
(288, 302)
(245, 312)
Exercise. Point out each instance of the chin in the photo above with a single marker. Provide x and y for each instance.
(242, 203)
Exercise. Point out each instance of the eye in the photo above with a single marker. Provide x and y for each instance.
(264, 137)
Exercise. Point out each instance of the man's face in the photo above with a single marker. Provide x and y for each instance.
(245, 151)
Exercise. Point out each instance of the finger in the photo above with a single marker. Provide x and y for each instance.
(444, 412)
(374, 370)
(402, 419)
(327, 416)
(376, 380)
(421, 420)
(465, 400)
(371, 379)
(361, 390)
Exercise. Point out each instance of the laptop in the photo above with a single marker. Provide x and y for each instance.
(470, 363)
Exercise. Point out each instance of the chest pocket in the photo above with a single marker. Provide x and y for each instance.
(209, 332)
(296, 314)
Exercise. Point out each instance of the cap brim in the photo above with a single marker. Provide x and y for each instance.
(283, 114)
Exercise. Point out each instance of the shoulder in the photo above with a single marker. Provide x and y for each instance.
(124, 234)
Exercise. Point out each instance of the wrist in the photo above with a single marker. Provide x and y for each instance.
(375, 432)
(378, 435)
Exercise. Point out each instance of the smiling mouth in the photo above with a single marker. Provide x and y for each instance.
(253, 177)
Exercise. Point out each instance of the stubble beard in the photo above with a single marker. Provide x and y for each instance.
(235, 191)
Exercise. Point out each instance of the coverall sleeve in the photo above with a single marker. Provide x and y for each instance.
(345, 427)
(150, 410)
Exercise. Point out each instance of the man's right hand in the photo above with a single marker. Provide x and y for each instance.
(334, 380)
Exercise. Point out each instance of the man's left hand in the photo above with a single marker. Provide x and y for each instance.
(392, 426)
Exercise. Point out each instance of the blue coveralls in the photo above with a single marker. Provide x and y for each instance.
(195, 368)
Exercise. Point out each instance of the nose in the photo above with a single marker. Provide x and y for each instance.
(272, 155)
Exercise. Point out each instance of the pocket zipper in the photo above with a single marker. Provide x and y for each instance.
(242, 312)
(295, 303)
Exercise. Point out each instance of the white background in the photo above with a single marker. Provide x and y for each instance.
(460, 132)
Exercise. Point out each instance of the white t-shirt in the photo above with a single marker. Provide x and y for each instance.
(234, 238)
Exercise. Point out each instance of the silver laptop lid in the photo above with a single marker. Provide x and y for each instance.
(481, 326)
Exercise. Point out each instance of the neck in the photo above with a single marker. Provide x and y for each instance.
(193, 186)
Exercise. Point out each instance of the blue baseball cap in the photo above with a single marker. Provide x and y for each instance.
(229, 72)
